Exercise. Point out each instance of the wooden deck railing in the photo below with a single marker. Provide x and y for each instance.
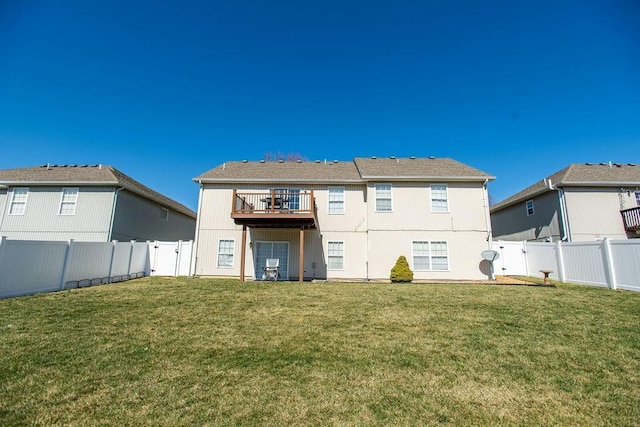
(273, 202)
(631, 219)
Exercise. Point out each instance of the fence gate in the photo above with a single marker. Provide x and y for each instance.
(170, 258)
(513, 258)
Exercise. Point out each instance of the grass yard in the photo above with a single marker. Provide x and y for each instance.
(219, 352)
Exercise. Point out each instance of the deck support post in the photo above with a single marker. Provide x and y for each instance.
(243, 252)
(301, 266)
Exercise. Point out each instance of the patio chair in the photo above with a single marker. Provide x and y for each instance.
(271, 269)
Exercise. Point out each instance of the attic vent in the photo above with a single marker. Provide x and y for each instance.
(374, 157)
(317, 161)
(589, 164)
(280, 161)
(392, 157)
(335, 161)
(412, 157)
(603, 164)
(617, 165)
(262, 161)
(298, 161)
(63, 166)
(631, 164)
(84, 166)
(244, 161)
(431, 157)
(73, 166)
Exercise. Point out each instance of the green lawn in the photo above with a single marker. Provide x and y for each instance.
(219, 352)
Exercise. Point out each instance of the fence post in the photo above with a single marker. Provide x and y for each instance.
(64, 263)
(526, 257)
(176, 267)
(113, 253)
(609, 264)
(560, 258)
(133, 242)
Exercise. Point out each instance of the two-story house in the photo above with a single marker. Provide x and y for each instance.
(93, 203)
(343, 220)
(581, 202)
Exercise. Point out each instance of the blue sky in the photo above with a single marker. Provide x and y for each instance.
(165, 90)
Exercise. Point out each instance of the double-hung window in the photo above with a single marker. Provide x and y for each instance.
(439, 199)
(430, 255)
(336, 200)
(18, 205)
(383, 198)
(529, 206)
(225, 253)
(68, 201)
(335, 255)
(638, 198)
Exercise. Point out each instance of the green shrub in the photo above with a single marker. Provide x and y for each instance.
(401, 271)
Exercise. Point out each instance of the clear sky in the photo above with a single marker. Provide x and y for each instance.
(165, 90)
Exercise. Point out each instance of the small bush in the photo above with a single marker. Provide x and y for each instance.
(401, 271)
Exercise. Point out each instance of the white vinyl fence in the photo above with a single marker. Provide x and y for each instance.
(29, 267)
(607, 263)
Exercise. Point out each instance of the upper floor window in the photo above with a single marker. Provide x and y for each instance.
(638, 198)
(439, 200)
(383, 198)
(529, 206)
(18, 204)
(336, 200)
(164, 214)
(68, 201)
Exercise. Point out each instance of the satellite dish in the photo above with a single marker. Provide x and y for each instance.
(490, 255)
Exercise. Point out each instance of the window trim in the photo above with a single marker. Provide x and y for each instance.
(343, 255)
(637, 198)
(343, 193)
(13, 202)
(446, 199)
(164, 214)
(233, 253)
(527, 208)
(75, 201)
(376, 197)
(430, 256)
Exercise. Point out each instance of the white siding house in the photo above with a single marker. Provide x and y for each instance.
(93, 203)
(343, 220)
(581, 202)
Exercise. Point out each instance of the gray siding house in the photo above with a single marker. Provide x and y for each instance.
(581, 202)
(343, 220)
(93, 203)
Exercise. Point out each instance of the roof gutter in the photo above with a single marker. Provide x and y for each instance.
(271, 180)
(65, 183)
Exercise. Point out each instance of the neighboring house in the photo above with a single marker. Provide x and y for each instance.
(343, 220)
(95, 203)
(579, 203)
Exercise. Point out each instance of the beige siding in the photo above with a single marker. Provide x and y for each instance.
(372, 241)
(41, 220)
(463, 248)
(594, 213)
(513, 224)
(137, 218)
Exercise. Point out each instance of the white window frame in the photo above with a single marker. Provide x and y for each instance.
(341, 242)
(64, 202)
(341, 199)
(430, 255)
(164, 214)
(13, 203)
(637, 198)
(377, 188)
(529, 207)
(445, 200)
(232, 254)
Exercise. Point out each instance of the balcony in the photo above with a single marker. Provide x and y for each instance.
(274, 209)
(631, 218)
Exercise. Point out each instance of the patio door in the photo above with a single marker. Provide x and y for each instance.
(266, 250)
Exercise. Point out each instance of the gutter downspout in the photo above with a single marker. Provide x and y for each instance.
(113, 213)
(564, 216)
(4, 208)
(487, 220)
(194, 252)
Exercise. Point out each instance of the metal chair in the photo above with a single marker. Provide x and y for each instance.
(271, 269)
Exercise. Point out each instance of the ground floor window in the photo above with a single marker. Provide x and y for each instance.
(225, 253)
(335, 255)
(430, 255)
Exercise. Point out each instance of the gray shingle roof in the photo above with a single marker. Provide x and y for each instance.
(580, 174)
(231, 172)
(417, 169)
(358, 170)
(86, 175)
